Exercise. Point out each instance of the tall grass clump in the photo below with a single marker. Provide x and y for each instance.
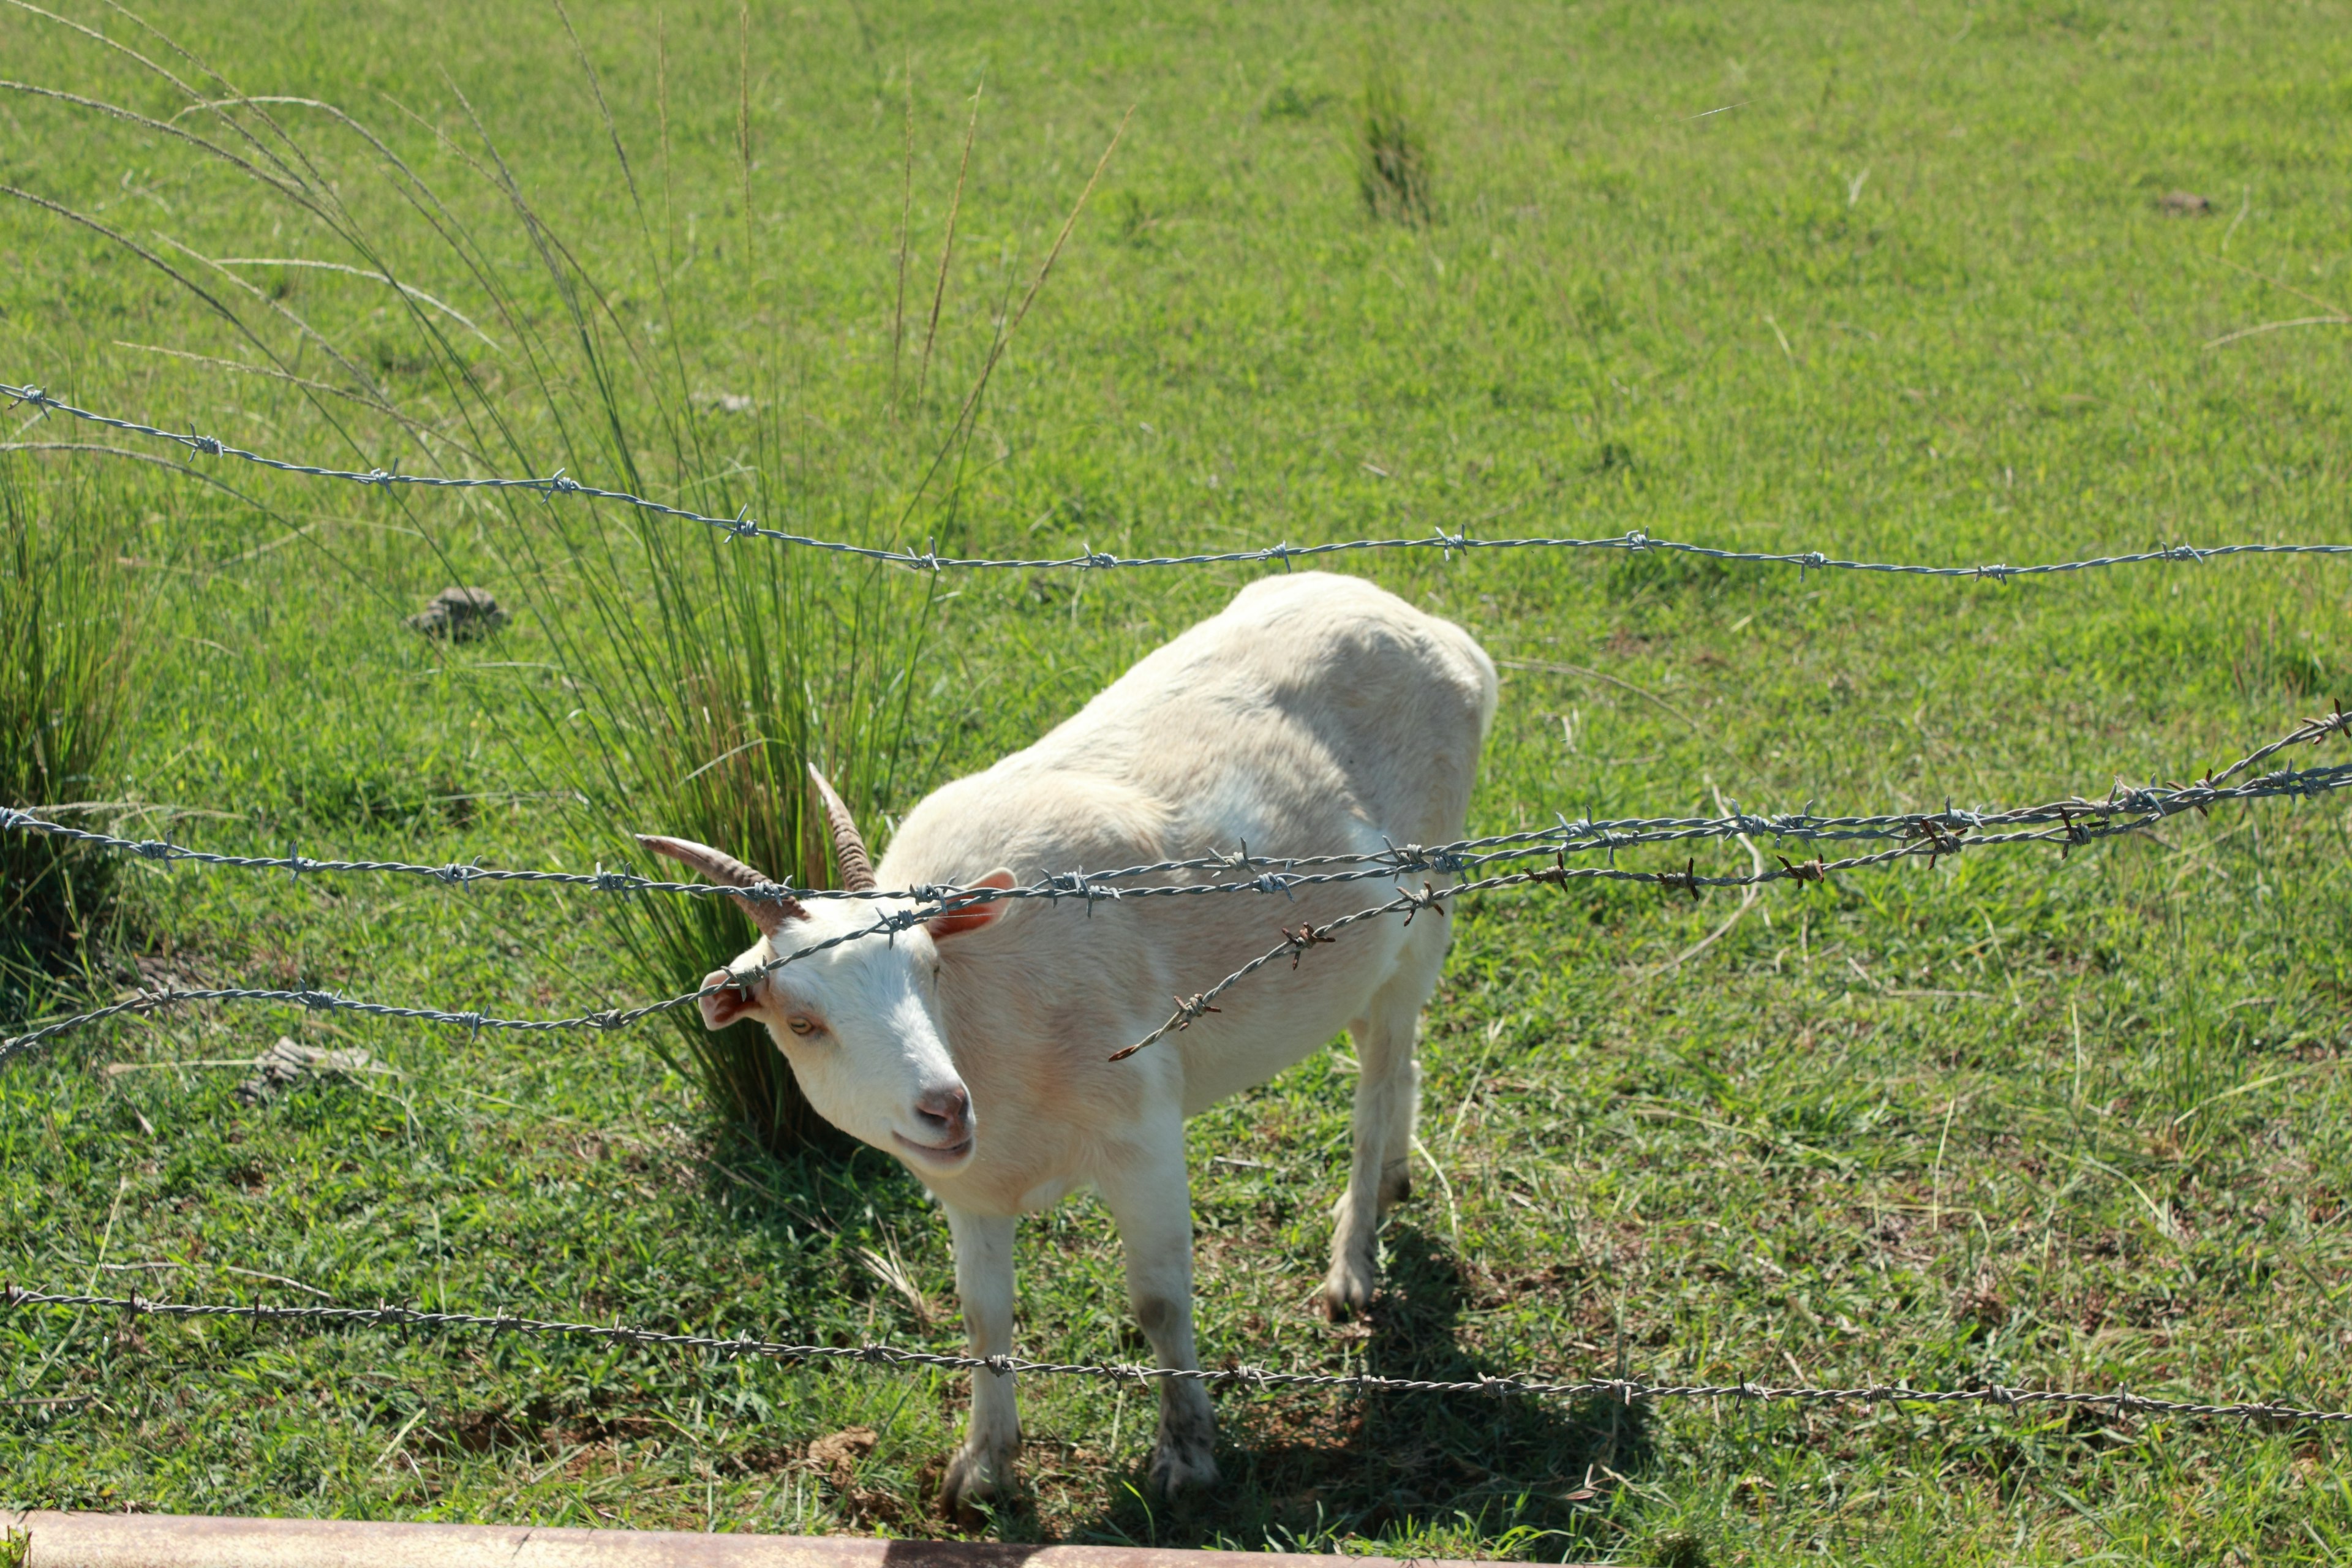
(696, 708)
(1394, 172)
(693, 678)
(67, 684)
(701, 677)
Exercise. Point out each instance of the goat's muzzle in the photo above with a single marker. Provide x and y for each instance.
(943, 1122)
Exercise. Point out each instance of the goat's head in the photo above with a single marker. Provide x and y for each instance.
(859, 1021)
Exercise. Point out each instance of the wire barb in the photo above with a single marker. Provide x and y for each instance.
(1687, 878)
(1304, 937)
(1803, 873)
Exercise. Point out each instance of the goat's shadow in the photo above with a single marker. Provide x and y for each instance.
(1296, 1470)
(1299, 1469)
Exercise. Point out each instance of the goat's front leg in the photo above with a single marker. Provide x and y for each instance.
(1151, 1201)
(983, 1467)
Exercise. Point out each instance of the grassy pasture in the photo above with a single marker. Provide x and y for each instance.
(1912, 294)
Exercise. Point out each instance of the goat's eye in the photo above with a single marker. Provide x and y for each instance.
(800, 1024)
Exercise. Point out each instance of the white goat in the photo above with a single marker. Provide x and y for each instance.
(1318, 713)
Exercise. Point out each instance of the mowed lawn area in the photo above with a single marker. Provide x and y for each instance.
(1942, 283)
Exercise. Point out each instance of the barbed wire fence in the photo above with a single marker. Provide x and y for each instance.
(742, 525)
(1449, 871)
(1626, 1391)
(1931, 834)
(1282, 873)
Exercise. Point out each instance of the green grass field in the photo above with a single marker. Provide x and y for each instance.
(1893, 282)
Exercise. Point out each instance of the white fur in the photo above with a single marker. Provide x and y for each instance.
(1316, 714)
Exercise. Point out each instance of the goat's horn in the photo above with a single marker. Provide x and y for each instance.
(857, 869)
(768, 914)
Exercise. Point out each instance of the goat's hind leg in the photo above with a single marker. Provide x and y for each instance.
(1388, 1099)
(982, 1466)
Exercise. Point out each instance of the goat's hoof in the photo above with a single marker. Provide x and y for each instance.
(975, 1475)
(1347, 1290)
(1178, 1469)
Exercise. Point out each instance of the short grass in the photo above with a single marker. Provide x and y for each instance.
(1910, 294)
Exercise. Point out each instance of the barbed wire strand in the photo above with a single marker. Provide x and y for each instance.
(1285, 874)
(1623, 1390)
(1933, 842)
(742, 525)
(1932, 839)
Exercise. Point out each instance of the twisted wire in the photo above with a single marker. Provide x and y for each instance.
(1624, 1390)
(743, 526)
(2131, 812)
(1285, 874)
(2080, 823)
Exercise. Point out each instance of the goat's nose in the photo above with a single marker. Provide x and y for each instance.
(950, 1107)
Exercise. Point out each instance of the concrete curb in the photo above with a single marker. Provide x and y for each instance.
(171, 1540)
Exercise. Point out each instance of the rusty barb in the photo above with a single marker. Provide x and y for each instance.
(1304, 937)
(1803, 872)
(1941, 839)
(1190, 1008)
(2077, 831)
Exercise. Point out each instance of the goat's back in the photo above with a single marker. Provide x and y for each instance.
(1310, 693)
(1315, 713)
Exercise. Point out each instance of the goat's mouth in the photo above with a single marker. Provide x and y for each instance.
(936, 1153)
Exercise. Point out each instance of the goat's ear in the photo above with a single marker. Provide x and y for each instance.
(977, 916)
(726, 1005)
